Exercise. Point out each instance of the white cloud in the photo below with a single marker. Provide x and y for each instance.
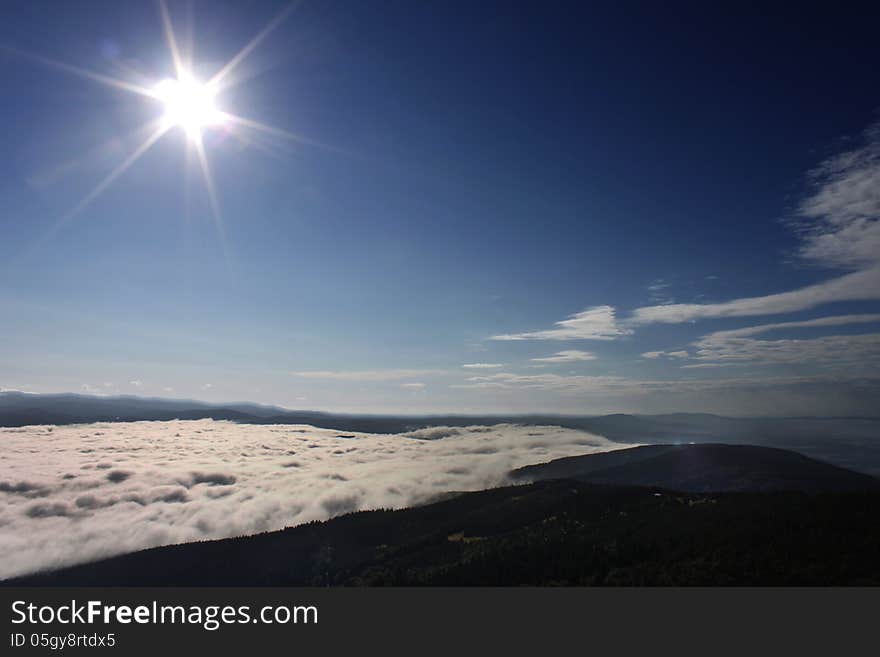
(365, 375)
(597, 323)
(582, 385)
(835, 320)
(669, 354)
(857, 286)
(81, 492)
(568, 356)
(839, 227)
(861, 352)
(563, 383)
(207, 386)
(841, 219)
(413, 386)
(482, 366)
(137, 383)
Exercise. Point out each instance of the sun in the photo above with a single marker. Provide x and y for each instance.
(189, 104)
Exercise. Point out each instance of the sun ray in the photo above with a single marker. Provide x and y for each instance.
(154, 136)
(212, 194)
(82, 72)
(190, 38)
(169, 38)
(209, 179)
(187, 174)
(274, 148)
(93, 155)
(113, 175)
(235, 119)
(217, 80)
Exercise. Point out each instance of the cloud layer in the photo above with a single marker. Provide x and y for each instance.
(76, 493)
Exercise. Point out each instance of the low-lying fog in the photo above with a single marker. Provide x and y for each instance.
(70, 494)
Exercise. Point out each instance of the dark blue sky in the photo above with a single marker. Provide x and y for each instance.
(473, 174)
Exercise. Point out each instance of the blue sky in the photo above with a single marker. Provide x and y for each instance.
(500, 207)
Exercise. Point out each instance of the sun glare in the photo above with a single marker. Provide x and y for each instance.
(189, 104)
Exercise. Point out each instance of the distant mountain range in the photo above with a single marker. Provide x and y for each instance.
(822, 529)
(20, 409)
(848, 442)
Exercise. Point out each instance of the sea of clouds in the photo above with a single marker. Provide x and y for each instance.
(70, 494)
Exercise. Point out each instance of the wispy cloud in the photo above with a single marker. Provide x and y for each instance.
(559, 382)
(841, 219)
(657, 292)
(668, 354)
(482, 366)
(580, 385)
(597, 323)
(857, 286)
(839, 227)
(568, 356)
(365, 375)
(413, 386)
(835, 320)
(861, 352)
(841, 351)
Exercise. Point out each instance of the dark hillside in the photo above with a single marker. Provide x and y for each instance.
(702, 468)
